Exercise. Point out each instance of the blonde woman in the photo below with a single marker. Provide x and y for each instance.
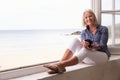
(90, 49)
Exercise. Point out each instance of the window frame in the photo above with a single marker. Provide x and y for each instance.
(22, 71)
(97, 8)
(32, 69)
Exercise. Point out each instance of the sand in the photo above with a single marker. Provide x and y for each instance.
(16, 56)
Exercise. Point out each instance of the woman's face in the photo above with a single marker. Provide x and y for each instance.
(89, 18)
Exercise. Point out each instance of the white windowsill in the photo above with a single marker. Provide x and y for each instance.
(34, 73)
(38, 68)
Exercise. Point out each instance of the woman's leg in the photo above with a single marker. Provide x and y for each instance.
(92, 56)
(87, 56)
(69, 62)
(68, 58)
(74, 46)
(76, 58)
(95, 57)
(68, 54)
(59, 67)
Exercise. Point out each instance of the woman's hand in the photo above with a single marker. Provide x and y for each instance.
(86, 45)
(95, 46)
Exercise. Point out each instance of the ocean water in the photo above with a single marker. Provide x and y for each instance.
(16, 41)
(29, 47)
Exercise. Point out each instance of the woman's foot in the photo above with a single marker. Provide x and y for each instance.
(55, 68)
(52, 72)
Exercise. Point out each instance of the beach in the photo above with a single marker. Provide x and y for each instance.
(20, 48)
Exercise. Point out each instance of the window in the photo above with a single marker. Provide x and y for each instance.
(33, 31)
(111, 18)
(41, 14)
(108, 14)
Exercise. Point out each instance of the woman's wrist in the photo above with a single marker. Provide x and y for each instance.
(95, 46)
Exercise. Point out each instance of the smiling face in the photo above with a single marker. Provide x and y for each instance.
(89, 18)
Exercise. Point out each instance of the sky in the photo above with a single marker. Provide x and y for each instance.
(41, 14)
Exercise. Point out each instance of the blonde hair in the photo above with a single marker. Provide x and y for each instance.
(91, 12)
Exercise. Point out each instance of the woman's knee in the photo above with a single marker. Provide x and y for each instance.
(83, 49)
(75, 45)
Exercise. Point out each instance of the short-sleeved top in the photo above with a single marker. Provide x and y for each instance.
(100, 37)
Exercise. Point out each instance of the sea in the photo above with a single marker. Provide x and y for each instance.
(29, 47)
(12, 41)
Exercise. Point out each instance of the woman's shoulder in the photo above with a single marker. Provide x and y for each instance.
(84, 31)
(101, 27)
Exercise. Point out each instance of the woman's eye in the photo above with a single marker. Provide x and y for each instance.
(85, 17)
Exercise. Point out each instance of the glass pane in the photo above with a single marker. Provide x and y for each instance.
(117, 4)
(36, 31)
(117, 29)
(106, 20)
(41, 14)
(106, 4)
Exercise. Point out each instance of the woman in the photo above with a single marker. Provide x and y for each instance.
(92, 49)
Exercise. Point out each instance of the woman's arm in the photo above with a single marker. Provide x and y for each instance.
(103, 39)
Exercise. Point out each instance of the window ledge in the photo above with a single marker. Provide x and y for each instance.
(108, 71)
(34, 69)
